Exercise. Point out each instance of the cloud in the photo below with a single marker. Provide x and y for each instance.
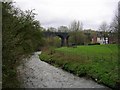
(62, 12)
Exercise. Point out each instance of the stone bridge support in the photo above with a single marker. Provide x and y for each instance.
(64, 41)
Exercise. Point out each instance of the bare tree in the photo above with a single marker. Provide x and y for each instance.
(114, 27)
(63, 29)
(76, 27)
(104, 29)
(52, 29)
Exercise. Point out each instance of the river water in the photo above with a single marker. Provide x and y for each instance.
(35, 73)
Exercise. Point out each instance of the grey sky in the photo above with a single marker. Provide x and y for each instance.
(62, 12)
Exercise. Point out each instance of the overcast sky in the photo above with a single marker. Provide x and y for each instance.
(54, 13)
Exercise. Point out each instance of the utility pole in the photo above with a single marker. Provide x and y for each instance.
(118, 83)
(119, 22)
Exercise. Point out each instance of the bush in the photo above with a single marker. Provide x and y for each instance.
(21, 36)
(94, 44)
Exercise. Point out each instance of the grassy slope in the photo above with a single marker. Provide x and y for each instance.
(98, 62)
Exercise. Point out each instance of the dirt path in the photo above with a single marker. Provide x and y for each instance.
(38, 74)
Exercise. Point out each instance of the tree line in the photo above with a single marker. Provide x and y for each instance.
(80, 36)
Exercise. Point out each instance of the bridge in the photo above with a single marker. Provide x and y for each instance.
(63, 35)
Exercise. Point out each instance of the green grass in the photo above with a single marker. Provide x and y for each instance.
(96, 50)
(97, 61)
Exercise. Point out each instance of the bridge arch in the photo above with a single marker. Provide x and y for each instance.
(63, 35)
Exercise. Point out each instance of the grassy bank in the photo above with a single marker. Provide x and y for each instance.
(99, 62)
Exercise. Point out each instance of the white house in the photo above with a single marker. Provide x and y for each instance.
(99, 39)
(102, 40)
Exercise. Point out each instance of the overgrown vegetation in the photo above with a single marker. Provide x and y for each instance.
(99, 62)
(52, 41)
(21, 37)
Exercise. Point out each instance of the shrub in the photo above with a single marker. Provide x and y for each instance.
(21, 36)
(94, 44)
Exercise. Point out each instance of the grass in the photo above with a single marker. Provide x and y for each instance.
(99, 62)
